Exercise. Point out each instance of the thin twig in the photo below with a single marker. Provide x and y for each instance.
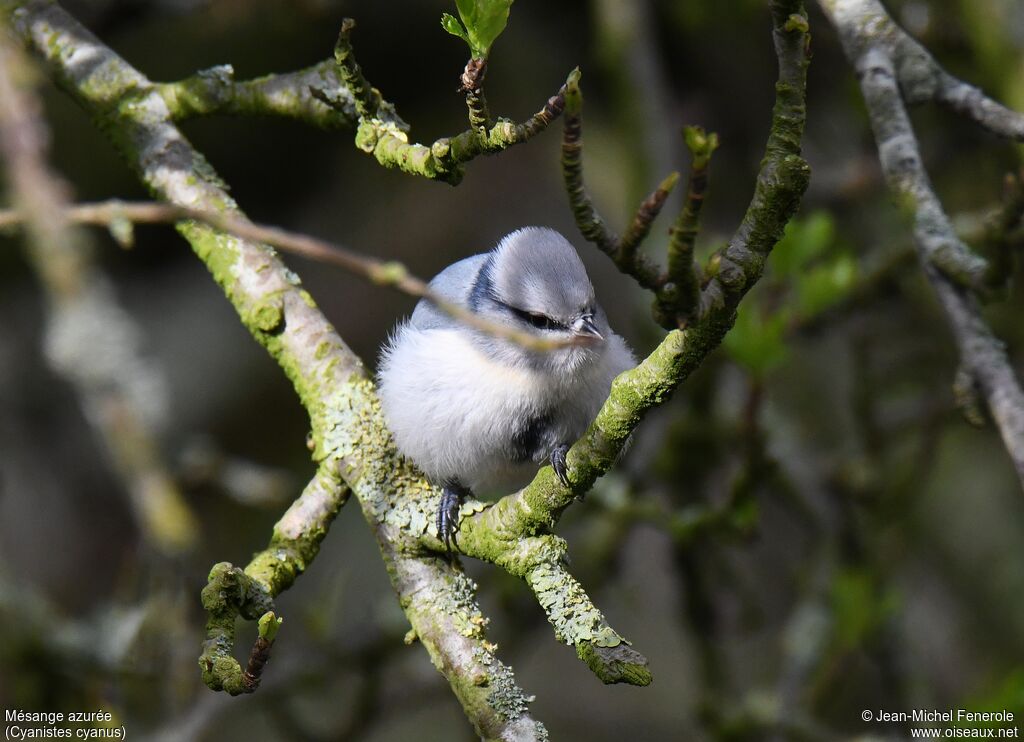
(383, 273)
(623, 251)
(680, 298)
(367, 98)
(472, 86)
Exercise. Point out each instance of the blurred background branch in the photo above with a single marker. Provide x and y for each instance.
(876, 47)
(90, 339)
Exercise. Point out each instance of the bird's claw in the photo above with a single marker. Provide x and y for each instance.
(559, 464)
(448, 515)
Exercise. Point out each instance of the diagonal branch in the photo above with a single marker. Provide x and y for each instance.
(349, 438)
(875, 46)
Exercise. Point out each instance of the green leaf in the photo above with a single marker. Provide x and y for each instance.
(484, 20)
(757, 342)
(822, 286)
(268, 625)
(451, 24)
(805, 239)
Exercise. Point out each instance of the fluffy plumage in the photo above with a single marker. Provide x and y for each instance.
(480, 412)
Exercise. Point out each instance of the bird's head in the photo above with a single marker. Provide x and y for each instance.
(535, 281)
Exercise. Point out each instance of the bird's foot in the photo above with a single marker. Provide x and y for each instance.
(452, 496)
(559, 464)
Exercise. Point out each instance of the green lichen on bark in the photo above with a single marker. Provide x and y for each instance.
(228, 594)
(618, 664)
(215, 91)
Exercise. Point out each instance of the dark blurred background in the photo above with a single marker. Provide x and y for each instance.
(809, 528)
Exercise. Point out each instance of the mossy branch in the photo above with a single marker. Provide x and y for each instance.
(577, 622)
(287, 95)
(368, 99)
(335, 94)
(473, 88)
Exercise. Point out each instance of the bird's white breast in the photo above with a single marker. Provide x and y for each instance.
(453, 409)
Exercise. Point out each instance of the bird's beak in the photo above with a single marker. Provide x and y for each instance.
(584, 327)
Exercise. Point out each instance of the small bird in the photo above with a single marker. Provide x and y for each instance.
(479, 413)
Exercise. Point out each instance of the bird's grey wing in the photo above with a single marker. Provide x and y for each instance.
(453, 283)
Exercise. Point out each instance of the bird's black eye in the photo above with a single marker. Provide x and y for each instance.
(538, 320)
(541, 321)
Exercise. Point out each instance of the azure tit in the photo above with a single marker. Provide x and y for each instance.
(479, 413)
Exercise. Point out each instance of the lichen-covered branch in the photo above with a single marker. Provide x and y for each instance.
(540, 561)
(215, 91)
(90, 340)
(232, 592)
(335, 94)
(368, 99)
(877, 49)
(351, 444)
